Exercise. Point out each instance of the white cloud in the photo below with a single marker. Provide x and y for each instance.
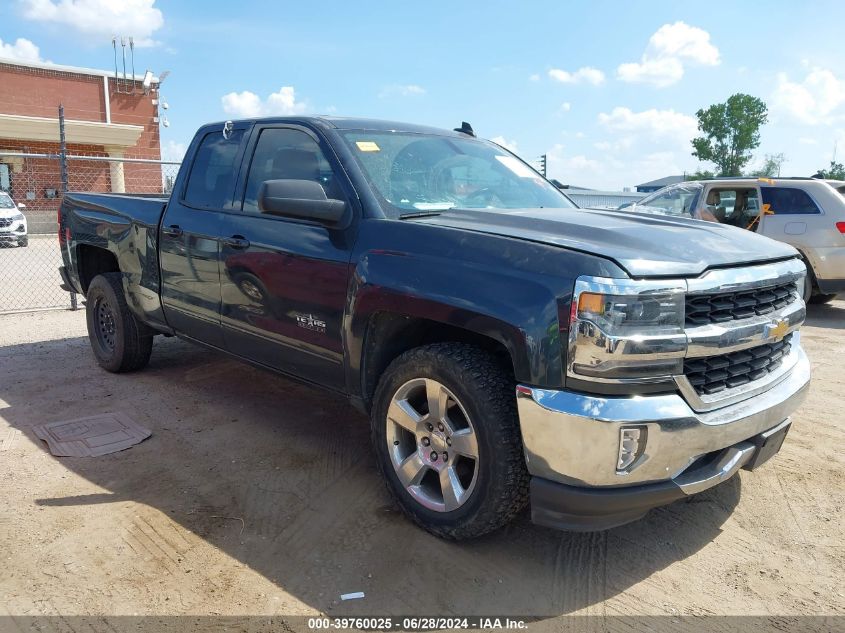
(173, 151)
(668, 50)
(247, 104)
(818, 99)
(612, 171)
(585, 74)
(511, 145)
(401, 90)
(808, 140)
(21, 50)
(565, 107)
(534, 77)
(667, 124)
(100, 18)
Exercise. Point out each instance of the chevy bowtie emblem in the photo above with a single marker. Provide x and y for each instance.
(777, 330)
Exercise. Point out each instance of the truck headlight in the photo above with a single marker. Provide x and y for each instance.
(626, 330)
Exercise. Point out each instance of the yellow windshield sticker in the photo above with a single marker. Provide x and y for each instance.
(367, 146)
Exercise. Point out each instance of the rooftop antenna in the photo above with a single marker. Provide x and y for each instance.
(114, 47)
(132, 57)
(123, 48)
(465, 128)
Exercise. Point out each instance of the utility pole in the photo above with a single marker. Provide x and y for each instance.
(63, 175)
(62, 148)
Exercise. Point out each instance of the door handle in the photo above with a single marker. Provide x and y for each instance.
(172, 231)
(236, 241)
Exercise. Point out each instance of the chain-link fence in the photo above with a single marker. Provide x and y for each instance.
(29, 248)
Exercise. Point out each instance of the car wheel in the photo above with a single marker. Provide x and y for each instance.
(446, 434)
(820, 298)
(23, 242)
(809, 282)
(119, 341)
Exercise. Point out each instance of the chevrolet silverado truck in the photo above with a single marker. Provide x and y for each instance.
(508, 347)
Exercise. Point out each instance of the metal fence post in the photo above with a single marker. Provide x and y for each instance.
(63, 171)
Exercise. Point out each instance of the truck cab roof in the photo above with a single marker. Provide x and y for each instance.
(344, 123)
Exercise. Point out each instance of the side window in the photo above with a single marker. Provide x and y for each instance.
(283, 153)
(213, 171)
(788, 200)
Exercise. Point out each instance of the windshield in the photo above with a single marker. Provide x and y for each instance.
(415, 173)
(676, 200)
(5, 201)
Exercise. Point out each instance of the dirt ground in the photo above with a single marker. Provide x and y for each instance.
(257, 495)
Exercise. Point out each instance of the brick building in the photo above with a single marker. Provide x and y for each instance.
(104, 116)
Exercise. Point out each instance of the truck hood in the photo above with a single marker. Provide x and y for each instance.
(644, 245)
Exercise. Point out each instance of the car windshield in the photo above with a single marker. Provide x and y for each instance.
(5, 201)
(677, 200)
(425, 173)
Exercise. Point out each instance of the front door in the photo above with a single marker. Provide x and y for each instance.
(284, 281)
(189, 238)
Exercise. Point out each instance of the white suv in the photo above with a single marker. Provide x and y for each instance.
(13, 229)
(807, 213)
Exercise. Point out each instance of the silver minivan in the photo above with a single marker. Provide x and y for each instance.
(807, 213)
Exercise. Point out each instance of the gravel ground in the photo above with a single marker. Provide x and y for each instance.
(257, 495)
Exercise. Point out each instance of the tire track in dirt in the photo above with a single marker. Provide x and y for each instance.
(581, 557)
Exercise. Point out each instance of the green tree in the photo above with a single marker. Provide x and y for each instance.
(730, 131)
(701, 175)
(771, 166)
(836, 171)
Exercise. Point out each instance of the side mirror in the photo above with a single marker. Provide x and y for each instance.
(304, 199)
(21, 206)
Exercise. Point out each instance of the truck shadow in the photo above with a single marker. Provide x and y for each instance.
(827, 315)
(280, 477)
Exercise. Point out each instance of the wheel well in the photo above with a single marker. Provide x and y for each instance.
(389, 335)
(93, 261)
(811, 271)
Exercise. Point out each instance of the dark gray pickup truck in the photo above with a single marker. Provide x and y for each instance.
(508, 347)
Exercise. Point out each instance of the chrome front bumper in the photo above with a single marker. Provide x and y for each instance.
(573, 438)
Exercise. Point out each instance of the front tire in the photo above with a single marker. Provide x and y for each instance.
(447, 439)
(23, 242)
(119, 341)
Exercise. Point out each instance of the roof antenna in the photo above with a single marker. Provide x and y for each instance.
(465, 128)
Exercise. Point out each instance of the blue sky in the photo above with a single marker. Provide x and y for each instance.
(607, 89)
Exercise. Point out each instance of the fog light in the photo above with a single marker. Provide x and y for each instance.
(631, 445)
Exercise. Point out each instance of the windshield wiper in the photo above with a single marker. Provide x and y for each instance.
(419, 214)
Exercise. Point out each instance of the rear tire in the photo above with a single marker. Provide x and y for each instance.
(431, 471)
(119, 341)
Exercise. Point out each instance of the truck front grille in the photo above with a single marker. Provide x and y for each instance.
(716, 373)
(4, 222)
(731, 306)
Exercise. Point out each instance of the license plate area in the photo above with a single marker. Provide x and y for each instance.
(768, 444)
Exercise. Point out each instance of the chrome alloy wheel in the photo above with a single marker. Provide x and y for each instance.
(432, 445)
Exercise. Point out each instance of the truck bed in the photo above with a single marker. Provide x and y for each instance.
(126, 226)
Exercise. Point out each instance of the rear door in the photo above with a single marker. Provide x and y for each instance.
(190, 234)
(284, 281)
(788, 212)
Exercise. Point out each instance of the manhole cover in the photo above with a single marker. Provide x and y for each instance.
(91, 437)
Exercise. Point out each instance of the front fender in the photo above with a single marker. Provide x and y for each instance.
(507, 306)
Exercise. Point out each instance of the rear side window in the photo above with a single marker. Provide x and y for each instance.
(789, 200)
(212, 176)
